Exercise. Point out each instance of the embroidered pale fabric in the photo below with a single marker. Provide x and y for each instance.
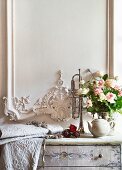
(15, 130)
(21, 154)
(8, 140)
(21, 145)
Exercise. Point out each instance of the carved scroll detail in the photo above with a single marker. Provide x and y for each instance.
(21, 104)
(56, 103)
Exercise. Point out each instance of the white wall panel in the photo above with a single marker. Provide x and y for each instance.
(50, 35)
(56, 34)
(3, 54)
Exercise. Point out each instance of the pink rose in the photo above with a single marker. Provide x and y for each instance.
(117, 87)
(120, 93)
(98, 90)
(101, 83)
(110, 97)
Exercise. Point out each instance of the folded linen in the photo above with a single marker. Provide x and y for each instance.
(21, 155)
(17, 130)
(13, 139)
(54, 128)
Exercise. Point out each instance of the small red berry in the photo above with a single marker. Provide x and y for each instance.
(66, 133)
(76, 134)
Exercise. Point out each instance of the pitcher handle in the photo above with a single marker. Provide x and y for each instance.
(112, 124)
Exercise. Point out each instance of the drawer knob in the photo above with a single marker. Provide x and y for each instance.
(100, 156)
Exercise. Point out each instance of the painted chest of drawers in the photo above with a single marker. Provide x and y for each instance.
(82, 157)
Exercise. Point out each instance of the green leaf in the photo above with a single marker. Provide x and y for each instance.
(105, 77)
(120, 111)
(91, 109)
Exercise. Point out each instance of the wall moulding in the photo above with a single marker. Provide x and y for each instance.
(17, 104)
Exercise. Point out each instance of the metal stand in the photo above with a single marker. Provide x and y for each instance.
(77, 100)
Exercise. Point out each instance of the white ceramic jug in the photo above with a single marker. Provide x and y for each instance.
(100, 127)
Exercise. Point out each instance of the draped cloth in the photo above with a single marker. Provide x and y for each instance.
(21, 154)
(21, 145)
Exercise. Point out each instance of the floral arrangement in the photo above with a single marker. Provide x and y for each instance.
(101, 94)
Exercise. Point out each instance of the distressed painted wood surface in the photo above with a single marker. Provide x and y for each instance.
(95, 155)
(80, 168)
(121, 156)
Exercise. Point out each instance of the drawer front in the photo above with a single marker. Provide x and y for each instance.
(74, 156)
(80, 168)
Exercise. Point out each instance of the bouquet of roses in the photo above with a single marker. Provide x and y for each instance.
(102, 94)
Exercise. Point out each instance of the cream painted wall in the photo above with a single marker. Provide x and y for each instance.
(118, 39)
(56, 34)
(3, 54)
(96, 61)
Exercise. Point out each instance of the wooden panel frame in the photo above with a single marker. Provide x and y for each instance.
(9, 107)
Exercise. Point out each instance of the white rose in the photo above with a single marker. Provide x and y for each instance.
(85, 90)
(82, 82)
(82, 91)
(102, 96)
